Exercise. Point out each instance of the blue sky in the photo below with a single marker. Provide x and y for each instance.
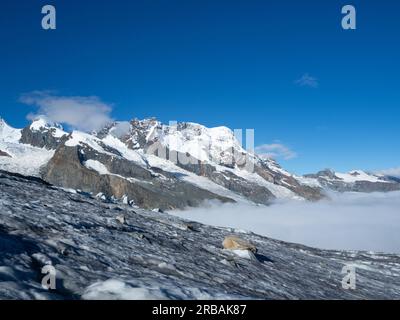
(235, 63)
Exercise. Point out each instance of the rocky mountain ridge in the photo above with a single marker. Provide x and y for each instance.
(355, 181)
(153, 165)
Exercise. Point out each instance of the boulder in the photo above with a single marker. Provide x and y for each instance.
(236, 243)
(120, 218)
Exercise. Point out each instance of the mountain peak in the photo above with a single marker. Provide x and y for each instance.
(3, 123)
(43, 122)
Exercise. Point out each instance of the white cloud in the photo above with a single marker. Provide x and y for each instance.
(82, 113)
(275, 151)
(394, 172)
(307, 81)
(351, 221)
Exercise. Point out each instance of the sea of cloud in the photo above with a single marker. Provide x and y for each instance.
(349, 221)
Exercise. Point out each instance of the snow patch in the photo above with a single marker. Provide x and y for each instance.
(25, 159)
(143, 289)
(9, 134)
(245, 254)
(118, 290)
(358, 175)
(96, 166)
(80, 138)
(127, 153)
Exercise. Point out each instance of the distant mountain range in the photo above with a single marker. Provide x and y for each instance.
(152, 165)
(355, 181)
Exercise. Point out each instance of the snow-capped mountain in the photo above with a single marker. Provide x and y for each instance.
(19, 157)
(153, 165)
(355, 181)
(43, 133)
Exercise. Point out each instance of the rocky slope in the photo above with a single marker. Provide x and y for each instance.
(122, 179)
(107, 250)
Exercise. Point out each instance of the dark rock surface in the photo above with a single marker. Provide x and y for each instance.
(4, 154)
(43, 138)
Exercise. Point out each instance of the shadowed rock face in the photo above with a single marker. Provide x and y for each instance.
(307, 192)
(41, 138)
(253, 191)
(86, 243)
(4, 154)
(227, 179)
(233, 182)
(393, 179)
(144, 187)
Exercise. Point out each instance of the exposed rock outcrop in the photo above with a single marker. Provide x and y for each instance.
(4, 154)
(43, 137)
(236, 243)
(147, 190)
(227, 179)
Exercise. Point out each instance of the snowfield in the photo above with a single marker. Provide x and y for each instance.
(23, 159)
(357, 175)
(96, 166)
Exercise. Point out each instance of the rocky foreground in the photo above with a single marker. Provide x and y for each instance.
(104, 250)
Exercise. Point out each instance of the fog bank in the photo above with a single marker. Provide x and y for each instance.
(350, 221)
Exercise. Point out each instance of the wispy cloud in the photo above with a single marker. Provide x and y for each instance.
(307, 81)
(394, 172)
(82, 113)
(275, 151)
